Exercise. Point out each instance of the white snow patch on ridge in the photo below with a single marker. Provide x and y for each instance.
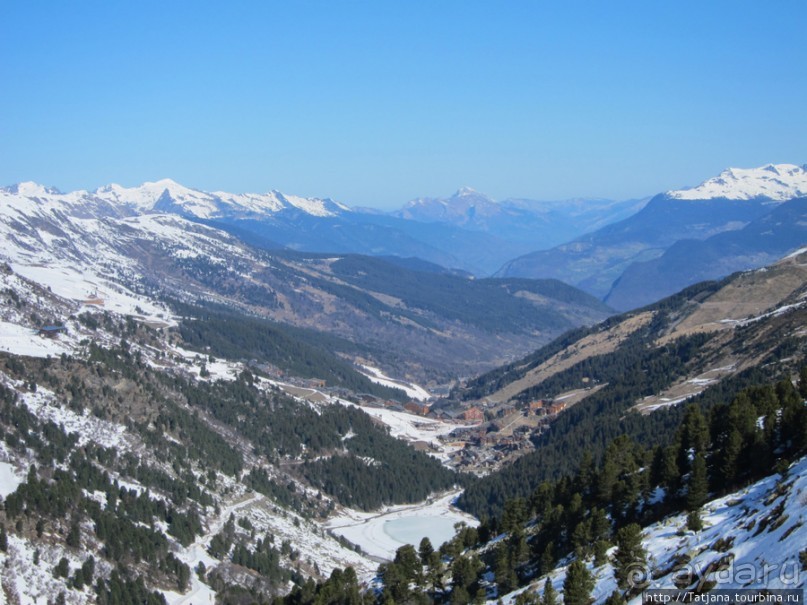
(412, 390)
(778, 182)
(9, 479)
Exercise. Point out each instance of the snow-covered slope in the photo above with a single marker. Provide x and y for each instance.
(751, 540)
(776, 182)
(84, 247)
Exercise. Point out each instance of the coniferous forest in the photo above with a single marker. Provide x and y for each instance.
(714, 448)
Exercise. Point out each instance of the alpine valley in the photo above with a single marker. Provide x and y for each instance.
(263, 398)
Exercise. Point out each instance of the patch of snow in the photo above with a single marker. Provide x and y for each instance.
(798, 252)
(45, 406)
(21, 340)
(9, 479)
(412, 390)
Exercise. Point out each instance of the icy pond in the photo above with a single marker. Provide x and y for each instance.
(411, 530)
(381, 533)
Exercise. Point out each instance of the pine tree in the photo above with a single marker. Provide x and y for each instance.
(550, 596)
(630, 558)
(600, 553)
(578, 584)
(434, 572)
(803, 382)
(396, 586)
(407, 560)
(463, 572)
(547, 561)
(62, 569)
(698, 487)
(73, 538)
(506, 578)
(670, 471)
(694, 520)
(515, 514)
(693, 437)
(527, 598)
(615, 598)
(584, 480)
(425, 550)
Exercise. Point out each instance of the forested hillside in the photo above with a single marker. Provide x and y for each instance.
(625, 366)
(296, 351)
(587, 525)
(131, 455)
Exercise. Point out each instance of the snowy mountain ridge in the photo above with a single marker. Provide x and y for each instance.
(167, 195)
(776, 182)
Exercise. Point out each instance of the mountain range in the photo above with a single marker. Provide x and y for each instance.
(626, 253)
(189, 411)
(440, 321)
(620, 262)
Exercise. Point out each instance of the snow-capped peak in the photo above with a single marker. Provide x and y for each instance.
(168, 196)
(777, 182)
(31, 189)
(145, 196)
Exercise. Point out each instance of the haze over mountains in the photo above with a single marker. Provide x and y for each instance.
(626, 253)
(186, 391)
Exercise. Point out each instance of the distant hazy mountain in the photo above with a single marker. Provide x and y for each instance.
(726, 203)
(467, 231)
(762, 241)
(522, 221)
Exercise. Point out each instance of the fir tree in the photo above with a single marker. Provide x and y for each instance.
(698, 487)
(425, 550)
(550, 595)
(615, 598)
(578, 584)
(803, 382)
(630, 558)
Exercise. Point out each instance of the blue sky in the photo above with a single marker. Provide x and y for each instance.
(375, 103)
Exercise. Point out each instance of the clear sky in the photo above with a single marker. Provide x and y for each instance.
(375, 103)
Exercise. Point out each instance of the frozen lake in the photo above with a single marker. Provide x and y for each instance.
(411, 530)
(381, 533)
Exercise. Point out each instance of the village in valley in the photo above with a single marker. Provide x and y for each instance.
(471, 436)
